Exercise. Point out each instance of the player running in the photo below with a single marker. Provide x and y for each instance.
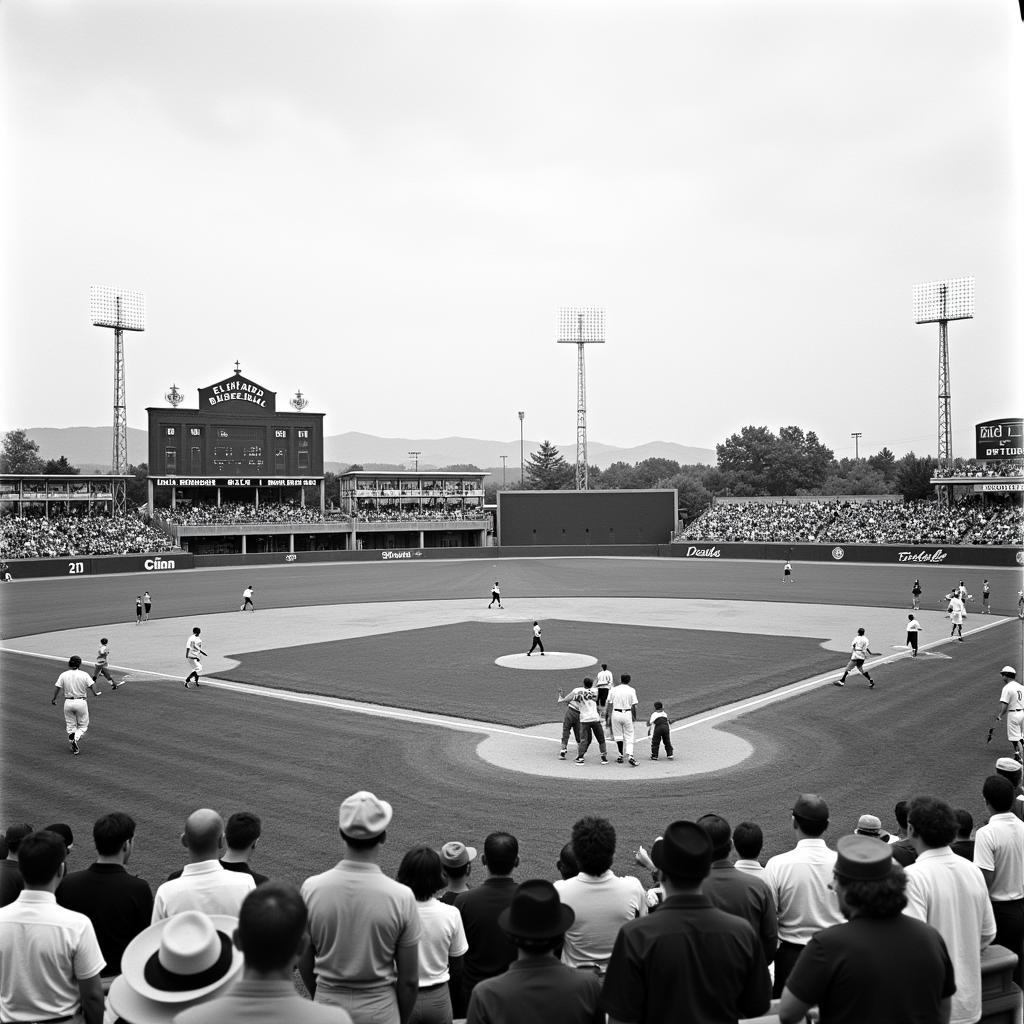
(860, 649)
(194, 654)
(496, 595)
(102, 659)
(247, 599)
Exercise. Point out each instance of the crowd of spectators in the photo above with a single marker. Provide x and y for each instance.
(72, 535)
(412, 514)
(715, 936)
(241, 513)
(866, 522)
(981, 470)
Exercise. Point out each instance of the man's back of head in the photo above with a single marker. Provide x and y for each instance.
(14, 836)
(271, 928)
(810, 815)
(204, 834)
(748, 839)
(593, 845)
(242, 831)
(111, 832)
(501, 853)
(40, 857)
(720, 832)
(933, 821)
(998, 793)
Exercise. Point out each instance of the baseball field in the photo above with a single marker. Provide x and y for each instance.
(396, 677)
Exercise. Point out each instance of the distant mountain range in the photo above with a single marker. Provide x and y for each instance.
(89, 448)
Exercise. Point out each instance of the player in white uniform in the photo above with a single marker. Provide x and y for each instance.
(860, 649)
(1011, 704)
(623, 701)
(537, 642)
(956, 617)
(787, 573)
(247, 599)
(76, 684)
(194, 655)
(913, 631)
(495, 595)
(147, 604)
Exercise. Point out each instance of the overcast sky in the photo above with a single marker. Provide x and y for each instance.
(385, 204)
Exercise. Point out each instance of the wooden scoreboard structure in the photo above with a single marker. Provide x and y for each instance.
(235, 446)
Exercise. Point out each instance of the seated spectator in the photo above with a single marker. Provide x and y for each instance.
(10, 874)
(688, 961)
(271, 934)
(118, 904)
(241, 834)
(963, 845)
(203, 884)
(175, 964)
(859, 971)
(456, 862)
(442, 939)
(748, 839)
(600, 900)
(536, 987)
(736, 892)
(73, 534)
(50, 961)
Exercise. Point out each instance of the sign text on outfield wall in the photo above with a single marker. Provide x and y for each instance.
(998, 487)
(999, 439)
(240, 481)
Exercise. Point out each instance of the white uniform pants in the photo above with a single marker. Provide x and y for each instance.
(622, 729)
(76, 716)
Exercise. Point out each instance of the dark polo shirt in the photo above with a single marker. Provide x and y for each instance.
(118, 904)
(11, 883)
(538, 990)
(490, 952)
(748, 897)
(688, 961)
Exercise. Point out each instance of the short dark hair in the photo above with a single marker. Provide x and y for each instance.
(501, 850)
(900, 812)
(593, 842)
(271, 924)
(358, 843)
(40, 857)
(111, 832)
(998, 793)
(933, 820)
(626, 677)
(568, 866)
(74, 661)
(748, 839)
(421, 871)
(15, 834)
(883, 897)
(64, 831)
(242, 830)
(964, 822)
(720, 832)
(811, 826)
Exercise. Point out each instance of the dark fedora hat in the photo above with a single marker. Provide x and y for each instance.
(684, 851)
(536, 912)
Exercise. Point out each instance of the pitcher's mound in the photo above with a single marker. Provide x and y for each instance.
(551, 661)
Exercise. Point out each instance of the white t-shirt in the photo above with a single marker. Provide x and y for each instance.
(605, 679)
(800, 880)
(587, 701)
(999, 847)
(247, 594)
(956, 609)
(913, 626)
(536, 631)
(443, 935)
(603, 904)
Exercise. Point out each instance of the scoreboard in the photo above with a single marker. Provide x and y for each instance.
(999, 439)
(235, 434)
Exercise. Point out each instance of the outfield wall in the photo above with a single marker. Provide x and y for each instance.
(882, 554)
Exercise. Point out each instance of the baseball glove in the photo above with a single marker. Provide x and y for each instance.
(991, 730)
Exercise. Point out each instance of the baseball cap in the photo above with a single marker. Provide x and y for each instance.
(456, 854)
(1007, 670)
(1008, 764)
(364, 816)
(863, 858)
(810, 807)
(869, 825)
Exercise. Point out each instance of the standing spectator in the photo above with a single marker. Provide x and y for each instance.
(1012, 770)
(74, 683)
(442, 942)
(623, 701)
(566, 865)
(174, 965)
(11, 882)
(999, 852)
(904, 852)
(963, 846)
(736, 892)
(879, 966)
(748, 839)
(660, 732)
(241, 834)
(490, 951)
(119, 905)
(601, 900)
(1011, 704)
(801, 881)
(377, 977)
(943, 890)
(536, 986)
(688, 961)
(871, 825)
(271, 933)
(571, 718)
(203, 884)
(456, 859)
(50, 961)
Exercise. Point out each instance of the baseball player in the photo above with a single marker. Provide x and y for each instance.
(986, 597)
(1011, 704)
(194, 656)
(860, 649)
(138, 609)
(75, 683)
(913, 629)
(495, 594)
(147, 604)
(247, 599)
(102, 658)
(787, 573)
(537, 642)
(956, 617)
(915, 593)
(623, 701)
(604, 684)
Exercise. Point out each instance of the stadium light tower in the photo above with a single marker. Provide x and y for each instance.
(938, 302)
(581, 327)
(123, 311)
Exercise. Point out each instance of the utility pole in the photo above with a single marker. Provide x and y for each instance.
(522, 416)
(504, 460)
